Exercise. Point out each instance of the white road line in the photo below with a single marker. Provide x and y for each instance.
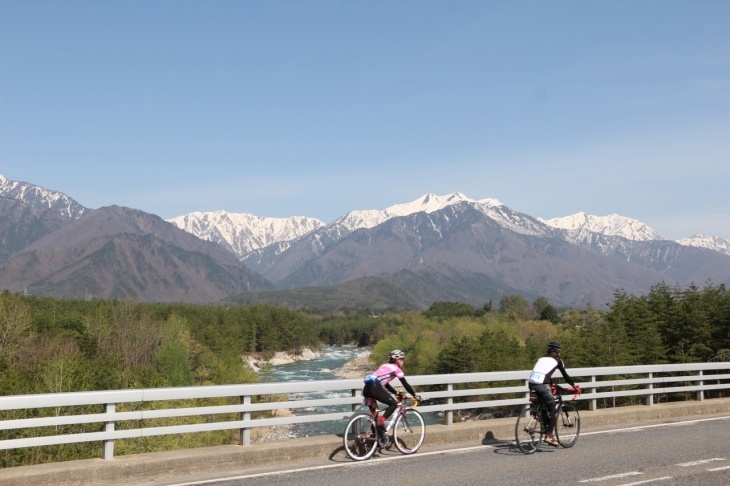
(371, 462)
(719, 468)
(640, 427)
(647, 481)
(374, 462)
(703, 461)
(612, 476)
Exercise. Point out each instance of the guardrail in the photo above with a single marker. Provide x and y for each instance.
(457, 391)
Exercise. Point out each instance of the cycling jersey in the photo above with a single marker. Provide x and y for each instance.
(385, 374)
(544, 369)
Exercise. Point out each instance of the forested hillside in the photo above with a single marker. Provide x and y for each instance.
(668, 325)
(49, 345)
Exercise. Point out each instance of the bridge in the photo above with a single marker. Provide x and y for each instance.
(700, 387)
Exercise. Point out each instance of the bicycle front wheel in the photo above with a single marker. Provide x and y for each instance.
(528, 431)
(360, 438)
(409, 431)
(567, 425)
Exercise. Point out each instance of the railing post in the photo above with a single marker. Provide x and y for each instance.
(109, 427)
(701, 393)
(245, 432)
(356, 392)
(450, 401)
(593, 404)
(650, 397)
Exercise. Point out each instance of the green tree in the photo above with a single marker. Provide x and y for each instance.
(459, 355)
(15, 327)
(173, 360)
(644, 343)
(515, 307)
(446, 310)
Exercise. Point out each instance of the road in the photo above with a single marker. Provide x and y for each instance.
(678, 452)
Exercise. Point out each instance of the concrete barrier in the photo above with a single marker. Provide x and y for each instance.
(215, 460)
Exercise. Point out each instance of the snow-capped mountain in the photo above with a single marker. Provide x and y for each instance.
(427, 203)
(581, 228)
(434, 248)
(243, 233)
(611, 225)
(41, 198)
(711, 242)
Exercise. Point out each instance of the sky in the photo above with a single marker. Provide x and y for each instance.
(314, 108)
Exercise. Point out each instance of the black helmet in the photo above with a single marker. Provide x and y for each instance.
(554, 346)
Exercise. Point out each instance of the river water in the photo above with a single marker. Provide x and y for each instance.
(321, 368)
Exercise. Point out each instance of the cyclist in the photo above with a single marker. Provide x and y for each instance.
(541, 383)
(377, 385)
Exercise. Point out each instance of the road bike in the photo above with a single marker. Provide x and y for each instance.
(406, 430)
(531, 424)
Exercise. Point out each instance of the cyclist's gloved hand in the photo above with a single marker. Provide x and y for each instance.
(417, 398)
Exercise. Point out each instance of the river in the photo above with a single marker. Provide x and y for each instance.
(321, 368)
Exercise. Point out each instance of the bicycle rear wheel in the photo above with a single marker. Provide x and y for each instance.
(360, 438)
(567, 425)
(528, 431)
(409, 431)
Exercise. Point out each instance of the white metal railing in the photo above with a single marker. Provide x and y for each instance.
(597, 383)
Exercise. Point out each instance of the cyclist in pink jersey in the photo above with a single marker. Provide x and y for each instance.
(377, 384)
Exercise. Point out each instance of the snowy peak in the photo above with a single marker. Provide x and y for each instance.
(41, 198)
(427, 203)
(711, 242)
(241, 232)
(611, 225)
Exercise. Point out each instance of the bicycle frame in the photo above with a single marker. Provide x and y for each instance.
(400, 409)
(362, 439)
(532, 423)
(557, 396)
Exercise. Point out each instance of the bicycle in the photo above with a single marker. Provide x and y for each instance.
(530, 427)
(362, 436)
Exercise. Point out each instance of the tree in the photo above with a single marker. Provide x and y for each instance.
(459, 355)
(515, 307)
(644, 342)
(446, 310)
(15, 326)
(173, 356)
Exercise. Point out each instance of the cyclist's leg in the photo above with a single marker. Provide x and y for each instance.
(379, 393)
(545, 395)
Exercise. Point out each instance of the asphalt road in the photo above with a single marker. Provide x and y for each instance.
(676, 452)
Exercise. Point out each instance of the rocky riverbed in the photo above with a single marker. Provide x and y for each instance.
(357, 367)
(257, 361)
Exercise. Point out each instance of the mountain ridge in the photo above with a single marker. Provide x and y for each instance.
(433, 248)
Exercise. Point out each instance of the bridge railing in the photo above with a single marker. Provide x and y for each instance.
(143, 408)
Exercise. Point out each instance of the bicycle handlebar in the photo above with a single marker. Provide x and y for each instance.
(403, 398)
(575, 390)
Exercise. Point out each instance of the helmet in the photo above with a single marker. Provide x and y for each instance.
(397, 354)
(554, 346)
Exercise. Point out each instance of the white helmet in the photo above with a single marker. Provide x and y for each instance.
(397, 354)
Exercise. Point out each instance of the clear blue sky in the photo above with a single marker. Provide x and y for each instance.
(315, 108)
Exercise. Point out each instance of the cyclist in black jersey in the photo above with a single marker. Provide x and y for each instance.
(541, 383)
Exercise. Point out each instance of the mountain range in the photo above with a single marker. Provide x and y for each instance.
(409, 255)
